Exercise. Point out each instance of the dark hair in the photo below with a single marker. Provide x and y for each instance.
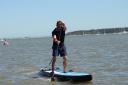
(62, 25)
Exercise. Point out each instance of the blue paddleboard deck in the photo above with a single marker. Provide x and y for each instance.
(70, 75)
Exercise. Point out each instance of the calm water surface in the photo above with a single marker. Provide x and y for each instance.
(104, 56)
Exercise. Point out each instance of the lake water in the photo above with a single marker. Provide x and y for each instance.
(104, 56)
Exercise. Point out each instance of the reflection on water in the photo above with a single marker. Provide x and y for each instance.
(104, 56)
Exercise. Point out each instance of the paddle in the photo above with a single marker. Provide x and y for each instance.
(52, 77)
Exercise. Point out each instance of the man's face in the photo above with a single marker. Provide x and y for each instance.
(59, 25)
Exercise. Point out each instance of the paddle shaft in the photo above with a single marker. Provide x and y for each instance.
(57, 48)
(53, 56)
(52, 77)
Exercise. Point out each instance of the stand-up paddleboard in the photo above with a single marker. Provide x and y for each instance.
(70, 75)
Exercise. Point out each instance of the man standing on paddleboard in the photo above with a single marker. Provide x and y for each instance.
(58, 48)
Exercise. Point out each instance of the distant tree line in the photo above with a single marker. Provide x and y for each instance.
(99, 31)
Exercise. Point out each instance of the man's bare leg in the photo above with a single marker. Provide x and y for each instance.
(64, 63)
(53, 64)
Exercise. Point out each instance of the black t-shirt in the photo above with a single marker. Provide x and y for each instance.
(60, 35)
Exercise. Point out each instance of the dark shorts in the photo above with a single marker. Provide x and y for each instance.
(59, 51)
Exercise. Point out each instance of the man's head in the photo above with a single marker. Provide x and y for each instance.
(60, 25)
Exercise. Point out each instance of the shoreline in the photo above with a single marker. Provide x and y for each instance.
(122, 30)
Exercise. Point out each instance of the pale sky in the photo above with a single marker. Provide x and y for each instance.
(37, 18)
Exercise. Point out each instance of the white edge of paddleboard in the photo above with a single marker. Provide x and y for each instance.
(69, 73)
